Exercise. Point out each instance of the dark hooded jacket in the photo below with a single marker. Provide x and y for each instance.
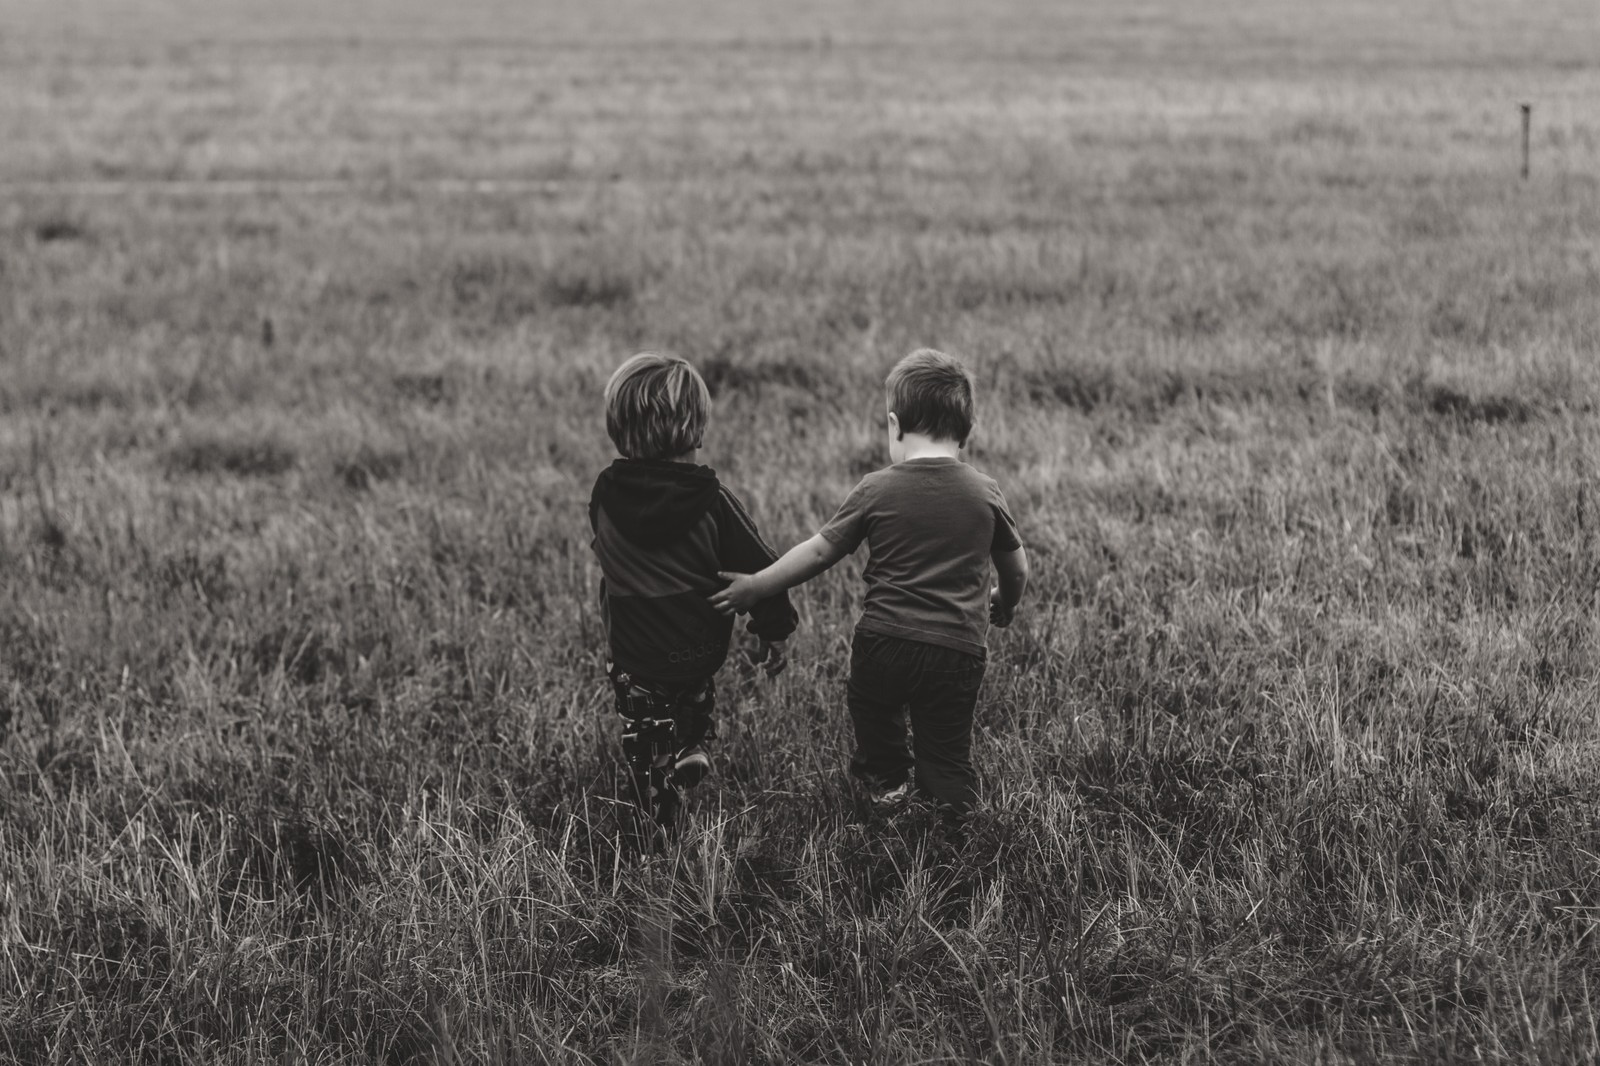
(662, 530)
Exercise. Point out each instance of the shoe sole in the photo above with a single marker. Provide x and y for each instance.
(691, 771)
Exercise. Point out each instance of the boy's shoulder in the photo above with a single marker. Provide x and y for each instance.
(732, 502)
(925, 489)
(917, 476)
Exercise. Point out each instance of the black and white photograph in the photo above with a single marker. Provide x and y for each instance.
(751, 532)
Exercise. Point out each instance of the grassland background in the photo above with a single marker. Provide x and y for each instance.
(1290, 379)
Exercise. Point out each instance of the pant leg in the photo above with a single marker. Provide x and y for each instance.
(876, 696)
(651, 720)
(942, 702)
(694, 708)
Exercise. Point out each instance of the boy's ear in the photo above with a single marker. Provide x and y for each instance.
(894, 426)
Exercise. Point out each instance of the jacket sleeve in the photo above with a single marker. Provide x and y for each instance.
(743, 551)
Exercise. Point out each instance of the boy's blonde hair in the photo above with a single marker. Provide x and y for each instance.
(657, 407)
(931, 392)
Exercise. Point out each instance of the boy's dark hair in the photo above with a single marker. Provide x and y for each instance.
(657, 407)
(931, 392)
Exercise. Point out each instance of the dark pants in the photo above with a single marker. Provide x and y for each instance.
(659, 721)
(939, 686)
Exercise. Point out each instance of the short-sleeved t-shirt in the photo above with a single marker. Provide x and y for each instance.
(930, 526)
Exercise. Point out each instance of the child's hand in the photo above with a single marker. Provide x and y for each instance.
(741, 594)
(770, 656)
(999, 613)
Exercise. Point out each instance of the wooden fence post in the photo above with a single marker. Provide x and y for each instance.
(1527, 121)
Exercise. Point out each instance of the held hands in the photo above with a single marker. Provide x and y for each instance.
(741, 594)
(999, 613)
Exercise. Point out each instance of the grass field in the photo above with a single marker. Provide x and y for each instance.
(1291, 381)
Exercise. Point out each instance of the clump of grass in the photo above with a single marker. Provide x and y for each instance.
(1488, 410)
(59, 228)
(369, 466)
(498, 288)
(501, 288)
(246, 456)
(428, 387)
(588, 288)
(724, 374)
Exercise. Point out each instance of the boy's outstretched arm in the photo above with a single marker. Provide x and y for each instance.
(799, 564)
(1012, 569)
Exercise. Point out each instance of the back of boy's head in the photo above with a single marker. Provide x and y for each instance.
(931, 393)
(657, 407)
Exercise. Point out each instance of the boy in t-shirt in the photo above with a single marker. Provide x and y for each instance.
(664, 526)
(932, 526)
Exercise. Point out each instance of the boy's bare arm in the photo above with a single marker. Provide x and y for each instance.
(1012, 569)
(799, 564)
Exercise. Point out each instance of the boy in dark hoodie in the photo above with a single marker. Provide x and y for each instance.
(663, 528)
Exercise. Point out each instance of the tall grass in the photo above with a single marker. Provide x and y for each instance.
(1291, 755)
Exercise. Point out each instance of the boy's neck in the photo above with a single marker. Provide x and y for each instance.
(691, 457)
(922, 446)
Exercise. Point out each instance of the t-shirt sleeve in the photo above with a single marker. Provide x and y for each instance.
(848, 526)
(1006, 537)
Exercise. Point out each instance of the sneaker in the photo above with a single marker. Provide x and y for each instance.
(692, 767)
(892, 797)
